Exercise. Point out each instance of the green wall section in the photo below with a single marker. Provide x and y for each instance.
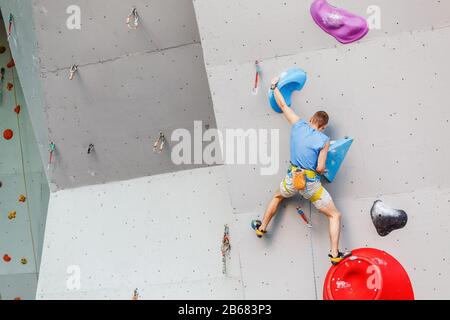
(21, 173)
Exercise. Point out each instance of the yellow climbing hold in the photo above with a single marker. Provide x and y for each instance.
(22, 198)
(12, 215)
(23, 261)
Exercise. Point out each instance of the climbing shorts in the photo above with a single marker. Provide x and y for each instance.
(313, 192)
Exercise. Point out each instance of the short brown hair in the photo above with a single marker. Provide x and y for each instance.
(320, 118)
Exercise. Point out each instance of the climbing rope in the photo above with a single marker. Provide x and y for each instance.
(226, 247)
(161, 141)
(23, 166)
(133, 19)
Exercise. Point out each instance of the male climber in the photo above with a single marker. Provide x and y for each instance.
(309, 149)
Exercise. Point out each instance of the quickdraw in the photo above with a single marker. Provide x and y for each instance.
(257, 77)
(161, 141)
(133, 19)
(90, 148)
(226, 247)
(11, 22)
(135, 295)
(52, 150)
(303, 216)
(73, 69)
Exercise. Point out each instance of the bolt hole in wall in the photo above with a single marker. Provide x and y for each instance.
(24, 192)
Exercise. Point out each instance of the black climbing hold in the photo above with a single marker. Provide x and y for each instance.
(387, 219)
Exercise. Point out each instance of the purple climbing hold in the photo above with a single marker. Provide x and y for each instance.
(346, 27)
(387, 219)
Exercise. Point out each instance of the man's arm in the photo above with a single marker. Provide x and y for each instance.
(290, 115)
(321, 162)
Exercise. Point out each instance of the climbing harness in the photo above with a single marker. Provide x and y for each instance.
(161, 141)
(257, 77)
(90, 148)
(303, 216)
(226, 247)
(133, 19)
(52, 150)
(73, 69)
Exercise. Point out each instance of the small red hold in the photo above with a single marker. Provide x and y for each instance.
(8, 134)
(11, 63)
(17, 109)
(6, 258)
(9, 86)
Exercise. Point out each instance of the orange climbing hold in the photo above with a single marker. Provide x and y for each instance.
(9, 86)
(22, 198)
(17, 298)
(11, 63)
(8, 134)
(6, 258)
(12, 215)
(17, 109)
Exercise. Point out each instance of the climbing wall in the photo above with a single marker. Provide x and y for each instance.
(387, 91)
(128, 87)
(134, 220)
(21, 174)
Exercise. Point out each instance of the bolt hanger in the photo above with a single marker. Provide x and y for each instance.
(73, 70)
(133, 19)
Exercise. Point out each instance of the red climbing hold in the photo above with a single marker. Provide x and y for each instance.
(17, 109)
(8, 134)
(11, 63)
(6, 258)
(9, 86)
(368, 274)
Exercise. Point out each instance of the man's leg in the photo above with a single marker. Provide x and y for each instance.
(334, 218)
(271, 210)
(286, 190)
(322, 200)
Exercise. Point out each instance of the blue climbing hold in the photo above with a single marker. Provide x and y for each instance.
(336, 155)
(291, 80)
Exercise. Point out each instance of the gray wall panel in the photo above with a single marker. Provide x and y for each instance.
(159, 234)
(120, 107)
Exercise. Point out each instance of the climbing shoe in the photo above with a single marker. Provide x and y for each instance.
(341, 256)
(255, 225)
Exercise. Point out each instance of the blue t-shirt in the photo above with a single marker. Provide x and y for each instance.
(306, 144)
